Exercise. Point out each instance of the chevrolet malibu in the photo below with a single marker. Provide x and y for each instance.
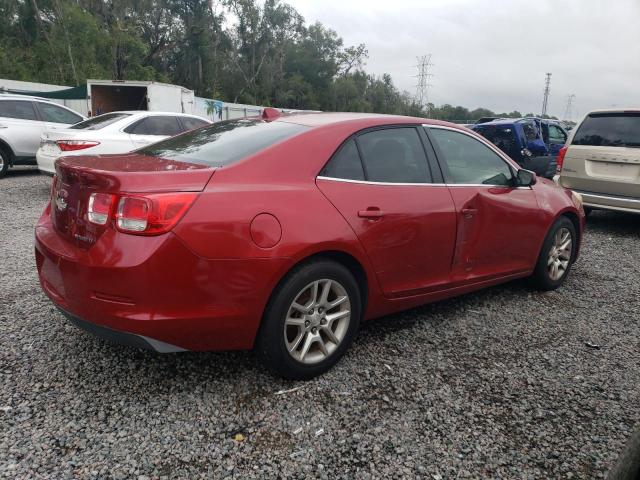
(283, 233)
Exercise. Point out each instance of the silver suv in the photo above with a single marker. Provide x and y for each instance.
(23, 119)
(601, 160)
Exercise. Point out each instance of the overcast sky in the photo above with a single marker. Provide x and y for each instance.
(495, 53)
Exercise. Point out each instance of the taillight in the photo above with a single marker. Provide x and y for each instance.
(73, 145)
(100, 205)
(152, 214)
(560, 159)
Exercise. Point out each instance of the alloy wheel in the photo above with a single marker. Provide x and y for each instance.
(317, 321)
(560, 254)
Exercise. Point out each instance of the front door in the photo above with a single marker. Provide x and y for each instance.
(380, 182)
(498, 223)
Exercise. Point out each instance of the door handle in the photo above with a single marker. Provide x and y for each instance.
(469, 212)
(372, 213)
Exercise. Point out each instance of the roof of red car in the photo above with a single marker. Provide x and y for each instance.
(321, 119)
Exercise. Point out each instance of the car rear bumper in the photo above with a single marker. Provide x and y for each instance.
(46, 162)
(121, 338)
(153, 292)
(610, 202)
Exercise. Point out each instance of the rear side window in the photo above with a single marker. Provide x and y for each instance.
(609, 130)
(19, 109)
(556, 135)
(223, 143)
(190, 123)
(55, 114)
(101, 121)
(345, 164)
(394, 155)
(155, 125)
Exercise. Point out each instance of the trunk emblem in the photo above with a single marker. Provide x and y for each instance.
(61, 202)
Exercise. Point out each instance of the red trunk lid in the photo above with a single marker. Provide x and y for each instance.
(77, 177)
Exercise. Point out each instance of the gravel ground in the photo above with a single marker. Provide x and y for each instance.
(496, 384)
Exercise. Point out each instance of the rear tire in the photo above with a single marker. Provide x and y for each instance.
(5, 161)
(302, 335)
(556, 256)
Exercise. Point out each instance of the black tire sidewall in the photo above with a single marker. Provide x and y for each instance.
(6, 157)
(270, 343)
(541, 273)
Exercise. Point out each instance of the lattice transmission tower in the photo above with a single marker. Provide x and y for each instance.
(423, 85)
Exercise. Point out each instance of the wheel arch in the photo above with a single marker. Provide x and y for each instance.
(349, 261)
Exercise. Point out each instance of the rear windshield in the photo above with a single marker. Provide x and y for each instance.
(101, 121)
(609, 130)
(223, 143)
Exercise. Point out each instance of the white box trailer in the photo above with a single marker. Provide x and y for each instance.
(105, 96)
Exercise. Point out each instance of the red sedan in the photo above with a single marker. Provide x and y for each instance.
(283, 233)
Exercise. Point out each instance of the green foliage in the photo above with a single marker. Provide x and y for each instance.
(244, 51)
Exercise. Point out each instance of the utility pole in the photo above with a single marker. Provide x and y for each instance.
(568, 111)
(422, 88)
(547, 84)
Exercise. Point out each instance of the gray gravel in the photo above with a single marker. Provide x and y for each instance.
(497, 384)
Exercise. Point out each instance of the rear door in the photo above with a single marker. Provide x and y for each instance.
(604, 155)
(21, 126)
(498, 229)
(557, 139)
(382, 184)
(152, 129)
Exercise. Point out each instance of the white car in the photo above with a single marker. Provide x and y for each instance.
(115, 132)
(23, 119)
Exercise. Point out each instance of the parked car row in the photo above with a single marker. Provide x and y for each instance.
(37, 131)
(116, 132)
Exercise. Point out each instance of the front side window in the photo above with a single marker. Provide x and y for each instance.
(609, 130)
(55, 114)
(530, 131)
(465, 160)
(101, 121)
(225, 142)
(19, 109)
(345, 163)
(503, 137)
(394, 155)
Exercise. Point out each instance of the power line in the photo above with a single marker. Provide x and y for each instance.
(568, 113)
(422, 88)
(545, 101)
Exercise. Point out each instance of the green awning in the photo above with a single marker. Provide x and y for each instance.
(75, 93)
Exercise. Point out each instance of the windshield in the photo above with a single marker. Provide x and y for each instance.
(101, 121)
(609, 130)
(223, 143)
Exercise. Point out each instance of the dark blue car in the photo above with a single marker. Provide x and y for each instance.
(533, 143)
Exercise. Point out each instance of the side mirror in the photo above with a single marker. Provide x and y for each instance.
(525, 178)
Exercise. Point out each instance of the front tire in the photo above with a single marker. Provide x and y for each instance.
(556, 256)
(310, 320)
(5, 160)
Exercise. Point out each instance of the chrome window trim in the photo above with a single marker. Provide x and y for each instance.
(607, 197)
(391, 184)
